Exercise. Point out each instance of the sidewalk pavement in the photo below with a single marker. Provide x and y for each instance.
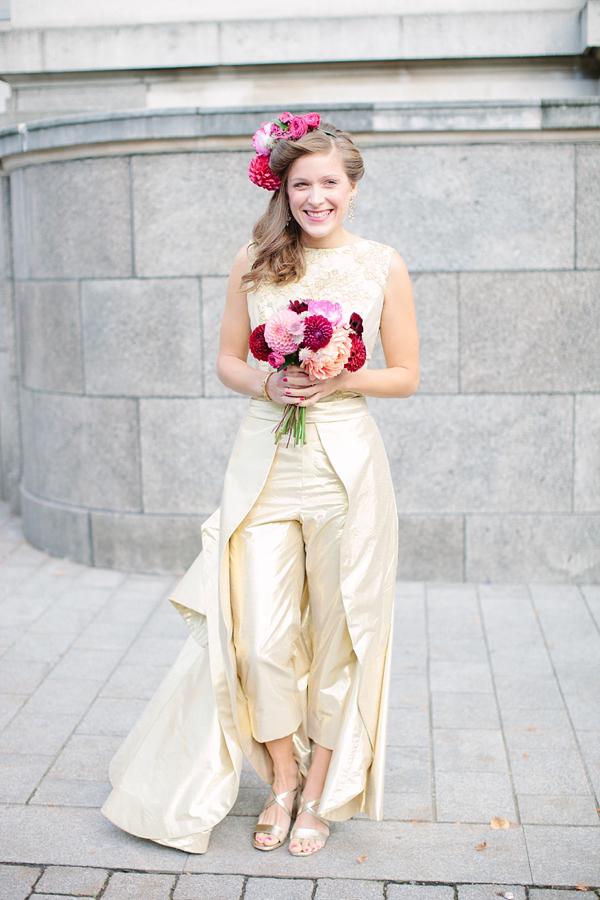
(495, 713)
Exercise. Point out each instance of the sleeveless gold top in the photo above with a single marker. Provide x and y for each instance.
(354, 276)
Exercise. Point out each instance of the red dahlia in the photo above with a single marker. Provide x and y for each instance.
(260, 173)
(358, 354)
(258, 346)
(298, 306)
(356, 323)
(317, 332)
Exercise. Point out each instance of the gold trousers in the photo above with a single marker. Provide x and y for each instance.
(286, 600)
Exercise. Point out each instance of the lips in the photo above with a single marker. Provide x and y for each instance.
(317, 215)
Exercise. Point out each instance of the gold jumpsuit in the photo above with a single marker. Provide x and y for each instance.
(289, 604)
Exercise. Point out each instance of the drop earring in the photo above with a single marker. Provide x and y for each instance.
(351, 208)
(288, 218)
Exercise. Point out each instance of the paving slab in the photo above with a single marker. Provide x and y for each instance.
(540, 809)
(78, 837)
(461, 710)
(341, 889)
(549, 894)
(59, 792)
(279, 889)
(85, 882)
(420, 892)
(563, 855)
(16, 882)
(398, 851)
(490, 891)
(474, 797)
(209, 887)
(125, 885)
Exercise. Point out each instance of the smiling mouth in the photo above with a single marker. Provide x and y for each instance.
(317, 215)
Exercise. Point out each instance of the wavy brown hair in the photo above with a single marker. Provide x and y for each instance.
(277, 249)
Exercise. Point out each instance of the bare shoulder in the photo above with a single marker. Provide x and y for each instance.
(398, 281)
(242, 257)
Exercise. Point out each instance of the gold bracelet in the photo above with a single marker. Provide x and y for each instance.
(264, 386)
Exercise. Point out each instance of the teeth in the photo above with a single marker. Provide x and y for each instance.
(317, 215)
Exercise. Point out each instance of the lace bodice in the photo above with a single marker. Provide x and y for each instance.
(354, 276)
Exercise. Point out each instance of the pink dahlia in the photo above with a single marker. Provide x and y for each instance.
(358, 354)
(317, 332)
(331, 311)
(330, 360)
(260, 173)
(258, 346)
(284, 331)
(285, 117)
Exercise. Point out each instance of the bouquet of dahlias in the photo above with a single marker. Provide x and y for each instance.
(310, 334)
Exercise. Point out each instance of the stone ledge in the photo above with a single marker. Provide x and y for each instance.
(470, 35)
(375, 119)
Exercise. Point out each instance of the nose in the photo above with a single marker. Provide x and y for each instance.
(315, 195)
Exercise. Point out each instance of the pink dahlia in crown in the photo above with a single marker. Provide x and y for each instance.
(313, 335)
(286, 128)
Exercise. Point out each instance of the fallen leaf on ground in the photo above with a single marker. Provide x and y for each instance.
(481, 846)
(361, 859)
(508, 895)
(500, 822)
(532, 728)
(581, 887)
(527, 755)
(59, 573)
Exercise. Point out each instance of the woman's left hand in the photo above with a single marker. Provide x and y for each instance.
(310, 392)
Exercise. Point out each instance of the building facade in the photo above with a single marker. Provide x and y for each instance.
(125, 198)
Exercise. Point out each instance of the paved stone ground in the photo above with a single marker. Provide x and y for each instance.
(495, 712)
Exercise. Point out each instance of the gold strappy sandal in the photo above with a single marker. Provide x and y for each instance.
(310, 833)
(275, 830)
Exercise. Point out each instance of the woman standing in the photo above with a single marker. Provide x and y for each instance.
(293, 592)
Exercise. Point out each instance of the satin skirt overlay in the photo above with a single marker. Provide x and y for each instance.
(289, 607)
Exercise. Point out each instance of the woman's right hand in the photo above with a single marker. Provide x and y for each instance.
(291, 385)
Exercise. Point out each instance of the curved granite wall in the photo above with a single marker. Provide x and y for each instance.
(124, 228)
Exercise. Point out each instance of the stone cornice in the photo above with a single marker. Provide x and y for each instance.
(480, 35)
(194, 128)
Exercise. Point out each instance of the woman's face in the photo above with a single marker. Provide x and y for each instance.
(318, 193)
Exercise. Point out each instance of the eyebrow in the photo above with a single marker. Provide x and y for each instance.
(304, 178)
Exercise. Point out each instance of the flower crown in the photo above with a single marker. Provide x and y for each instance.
(286, 128)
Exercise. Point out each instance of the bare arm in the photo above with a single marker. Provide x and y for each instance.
(400, 343)
(232, 369)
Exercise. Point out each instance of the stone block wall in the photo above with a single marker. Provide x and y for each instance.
(120, 267)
